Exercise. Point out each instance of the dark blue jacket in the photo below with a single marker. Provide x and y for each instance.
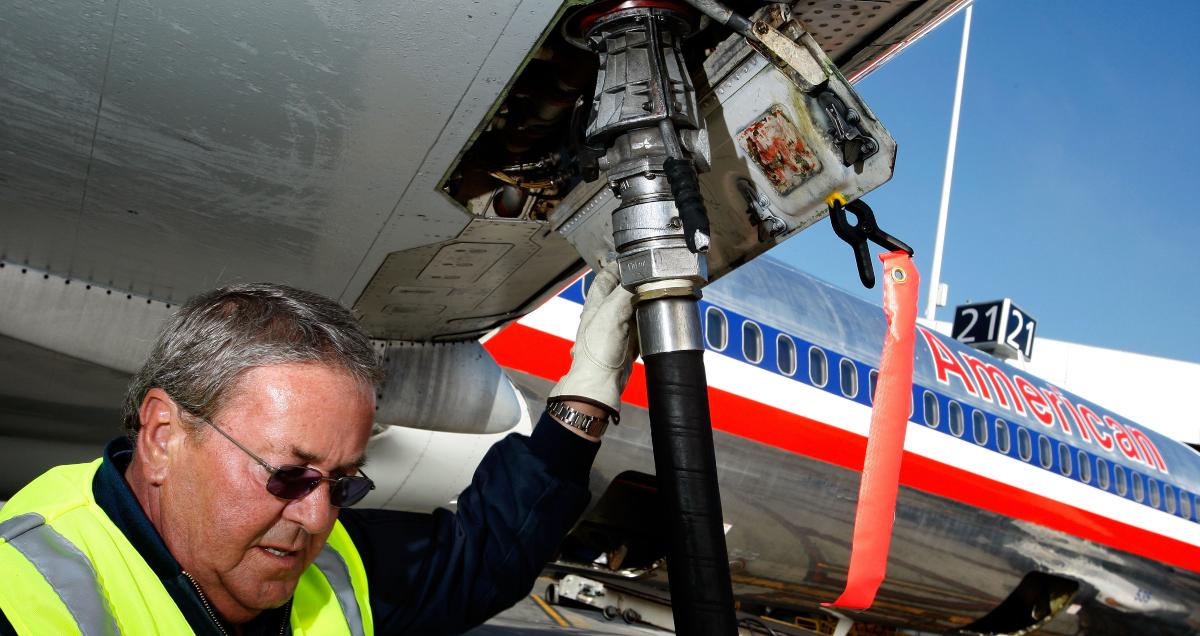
(440, 573)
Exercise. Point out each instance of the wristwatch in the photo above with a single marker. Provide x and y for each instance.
(588, 424)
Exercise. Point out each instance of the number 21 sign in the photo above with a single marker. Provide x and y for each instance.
(998, 327)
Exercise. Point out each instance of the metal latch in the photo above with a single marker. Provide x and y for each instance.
(759, 211)
(856, 144)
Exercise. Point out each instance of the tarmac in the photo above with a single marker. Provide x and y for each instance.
(533, 615)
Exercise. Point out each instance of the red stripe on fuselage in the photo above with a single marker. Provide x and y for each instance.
(531, 351)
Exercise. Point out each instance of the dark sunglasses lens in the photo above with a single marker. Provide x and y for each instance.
(348, 491)
(293, 482)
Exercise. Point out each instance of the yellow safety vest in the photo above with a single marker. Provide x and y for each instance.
(65, 568)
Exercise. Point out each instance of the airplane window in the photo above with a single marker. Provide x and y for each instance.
(930, 405)
(818, 366)
(752, 342)
(873, 382)
(979, 427)
(1003, 437)
(1119, 477)
(715, 329)
(1139, 489)
(956, 419)
(1085, 467)
(785, 354)
(1102, 473)
(1064, 459)
(1155, 496)
(1169, 497)
(1024, 444)
(1185, 505)
(1044, 449)
(848, 378)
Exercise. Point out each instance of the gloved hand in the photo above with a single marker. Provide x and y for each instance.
(605, 346)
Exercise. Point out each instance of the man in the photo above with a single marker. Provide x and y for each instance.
(221, 511)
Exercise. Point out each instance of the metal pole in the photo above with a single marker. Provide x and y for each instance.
(936, 271)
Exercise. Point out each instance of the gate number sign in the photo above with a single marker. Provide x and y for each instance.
(998, 327)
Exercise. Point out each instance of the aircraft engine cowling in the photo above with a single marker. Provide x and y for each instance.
(453, 387)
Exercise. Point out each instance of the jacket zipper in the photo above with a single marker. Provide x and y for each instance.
(207, 608)
(204, 600)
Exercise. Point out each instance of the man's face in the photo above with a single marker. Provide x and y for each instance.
(246, 547)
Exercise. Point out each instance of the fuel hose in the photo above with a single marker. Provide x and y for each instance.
(684, 459)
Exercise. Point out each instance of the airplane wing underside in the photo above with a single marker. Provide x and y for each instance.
(164, 147)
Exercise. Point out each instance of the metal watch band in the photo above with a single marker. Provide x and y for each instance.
(590, 425)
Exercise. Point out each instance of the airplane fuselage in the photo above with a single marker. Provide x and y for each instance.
(1004, 474)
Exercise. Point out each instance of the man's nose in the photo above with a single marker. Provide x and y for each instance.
(313, 511)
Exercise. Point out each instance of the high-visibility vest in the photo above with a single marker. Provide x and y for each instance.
(65, 568)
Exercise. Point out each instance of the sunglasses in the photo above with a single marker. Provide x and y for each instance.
(296, 482)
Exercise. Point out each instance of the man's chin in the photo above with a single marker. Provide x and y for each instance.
(270, 594)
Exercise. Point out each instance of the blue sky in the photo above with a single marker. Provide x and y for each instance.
(1075, 181)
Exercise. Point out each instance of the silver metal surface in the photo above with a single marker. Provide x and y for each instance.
(669, 324)
(645, 221)
(449, 387)
(636, 152)
(791, 515)
(174, 146)
(78, 318)
(769, 138)
(696, 143)
(660, 262)
(769, 225)
(639, 55)
(492, 272)
(584, 217)
(167, 147)
(791, 520)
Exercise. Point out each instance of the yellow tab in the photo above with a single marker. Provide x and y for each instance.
(836, 197)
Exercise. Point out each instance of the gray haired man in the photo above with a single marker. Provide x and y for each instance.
(225, 507)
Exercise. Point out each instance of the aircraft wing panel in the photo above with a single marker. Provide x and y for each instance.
(168, 146)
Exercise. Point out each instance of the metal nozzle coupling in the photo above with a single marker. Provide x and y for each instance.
(645, 115)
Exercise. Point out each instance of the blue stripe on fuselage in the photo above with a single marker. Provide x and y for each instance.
(770, 362)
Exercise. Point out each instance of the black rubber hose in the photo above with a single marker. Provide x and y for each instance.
(685, 187)
(701, 593)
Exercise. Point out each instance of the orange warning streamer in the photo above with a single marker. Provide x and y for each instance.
(885, 441)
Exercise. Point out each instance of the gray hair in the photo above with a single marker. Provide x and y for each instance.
(217, 336)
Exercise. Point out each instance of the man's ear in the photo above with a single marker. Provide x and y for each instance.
(161, 431)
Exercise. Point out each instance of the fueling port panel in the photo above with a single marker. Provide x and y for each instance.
(782, 137)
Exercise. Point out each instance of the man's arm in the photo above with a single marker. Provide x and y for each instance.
(447, 572)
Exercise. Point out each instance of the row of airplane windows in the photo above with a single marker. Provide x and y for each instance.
(1071, 462)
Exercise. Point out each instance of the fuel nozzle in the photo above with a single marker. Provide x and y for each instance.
(645, 117)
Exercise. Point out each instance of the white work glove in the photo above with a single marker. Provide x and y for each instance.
(605, 346)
